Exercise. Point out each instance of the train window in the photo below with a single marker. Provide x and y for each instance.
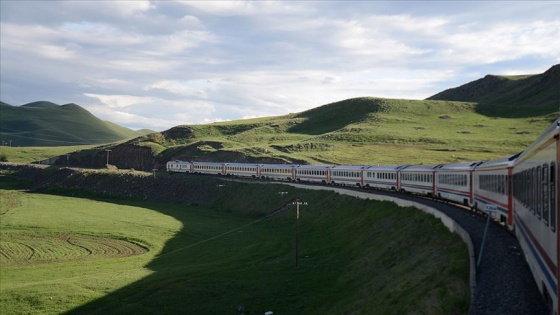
(527, 190)
(534, 196)
(544, 194)
(538, 191)
(553, 208)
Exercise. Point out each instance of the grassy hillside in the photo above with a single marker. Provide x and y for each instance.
(357, 131)
(485, 119)
(98, 255)
(30, 154)
(510, 96)
(48, 124)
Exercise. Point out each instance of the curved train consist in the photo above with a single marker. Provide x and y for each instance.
(519, 191)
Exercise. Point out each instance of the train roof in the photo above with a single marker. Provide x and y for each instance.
(349, 167)
(553, 130)
(177, 161)
(462, 166)
(242, 164)
(384, 168)
(208, 163)
(314, 167)
(419, 167)
(501, 162)
(280, 165)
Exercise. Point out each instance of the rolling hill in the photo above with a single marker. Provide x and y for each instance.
(48, 124)
(510, 96)
(481, 120)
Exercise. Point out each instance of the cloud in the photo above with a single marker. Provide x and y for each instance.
(160, 63)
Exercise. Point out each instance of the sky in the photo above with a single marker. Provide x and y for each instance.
(159, 64)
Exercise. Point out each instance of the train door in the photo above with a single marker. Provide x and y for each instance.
(361, 178)
(433, 175)
(509, 187)
(471, 191)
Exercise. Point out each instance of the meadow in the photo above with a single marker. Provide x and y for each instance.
(94, 254)
(33, 154)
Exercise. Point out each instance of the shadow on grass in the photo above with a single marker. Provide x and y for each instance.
(229, 259)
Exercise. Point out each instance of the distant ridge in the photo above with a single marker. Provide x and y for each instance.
(44, 123)
(510, 96)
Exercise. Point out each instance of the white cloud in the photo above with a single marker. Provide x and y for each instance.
(162, 63)
(243, 8)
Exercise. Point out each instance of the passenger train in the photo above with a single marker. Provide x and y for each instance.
(519, 191)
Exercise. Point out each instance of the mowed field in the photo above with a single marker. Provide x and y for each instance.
(87, 254)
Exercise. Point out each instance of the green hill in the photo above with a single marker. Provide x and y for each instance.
(485, 119)
(510, 96)
(48, 124)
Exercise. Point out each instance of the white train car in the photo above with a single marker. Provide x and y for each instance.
(242, 170)
(536, 203)
(347, 175)
(454, 182)
(313, 173)
(382, 177)
(208, 168)
(492, 189)
(278, 171)
(179, 166)
(418, 179)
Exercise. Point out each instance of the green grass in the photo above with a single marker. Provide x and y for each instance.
(34, 154)
(48, 124)
(362, 131)
(365, 131)
(356, 256)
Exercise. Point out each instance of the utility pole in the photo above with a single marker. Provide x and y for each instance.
(298, 203)
(107, 165)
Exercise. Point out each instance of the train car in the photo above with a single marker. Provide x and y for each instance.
(278, 171)
(418, 179)
(178, 166)
(242, 169)
(313, 173)
(382, 177)
(347, 175)
(492, 188)
(208, 168)
(536, 203)
(454, 182)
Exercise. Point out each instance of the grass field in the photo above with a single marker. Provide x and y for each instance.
(35, 154)
(90, 255)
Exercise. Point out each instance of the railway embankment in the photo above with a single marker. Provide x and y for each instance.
(501, 281)
(116, 183)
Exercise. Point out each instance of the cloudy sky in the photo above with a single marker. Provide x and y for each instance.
(158, 64)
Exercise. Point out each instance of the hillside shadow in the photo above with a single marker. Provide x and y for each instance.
(141, 294)
(516, 111)
(167, 290)
(334, 116)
